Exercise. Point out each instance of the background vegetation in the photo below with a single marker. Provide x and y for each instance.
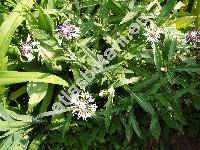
(157, 93)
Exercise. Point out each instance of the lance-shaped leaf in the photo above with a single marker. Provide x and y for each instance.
(11, 77)
(130, 15)
(165, 11)
(135, 125)
(155, 127)
(45, 22)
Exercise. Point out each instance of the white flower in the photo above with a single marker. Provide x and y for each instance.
(68, 30)
(152, 34)
(83, 105)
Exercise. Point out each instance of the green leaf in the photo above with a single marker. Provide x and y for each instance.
(171, 53)
(186, 89)
(8, 133)
(155, 127)
(51, 4)
(197, 13)
(197, 103)
(172, 123)
(45, 22)
(14, 95)
(83, 42)
(114, 43)
(46, 41)
(37, 141)
(112, 67)
(51, 113)
(116, 7)
(9, 125)
(66, 125)
(156, 86)
(135, 125)
(187, 69)
(36, 92)
(20, 142)
(142, 101)
(149, 81)
(125, 81)
(130, 15)
(4, 114)
(129, 132)
(158, 60)
(128, 127)
(170, 105)
(47, 98)
(5, 145)
(24, 118)
(11, 77)
(182, 22)
(89, 54)
(165, 11)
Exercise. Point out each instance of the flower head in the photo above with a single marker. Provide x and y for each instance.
(83, 105)
(152, 35)
(68, 30)
(193, 36)
(26, 48)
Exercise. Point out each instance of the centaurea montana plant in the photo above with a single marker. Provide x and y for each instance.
(148, 89)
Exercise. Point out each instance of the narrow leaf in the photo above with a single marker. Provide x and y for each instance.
(45, 22)
(165, 11)
(135, 125)
(130, 15)
(11, 77)
(155, 127)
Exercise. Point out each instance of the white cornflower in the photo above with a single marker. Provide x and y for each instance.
(152, 35)
(68, 30)
(26, 48)
(83, 105)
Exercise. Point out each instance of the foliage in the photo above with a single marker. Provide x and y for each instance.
(150, 89)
